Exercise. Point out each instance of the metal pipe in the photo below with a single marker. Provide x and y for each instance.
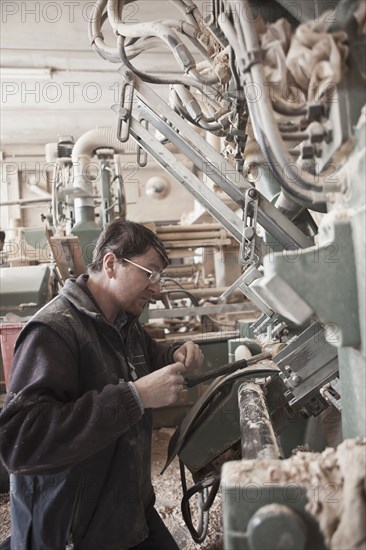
(22, 202)
(193, 227)
(82, 153)
(192, 235)
(258, 439)
(204, 293)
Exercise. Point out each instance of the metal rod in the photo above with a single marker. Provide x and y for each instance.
(203, 292)
(193, 380)
(25, 201)
(218, 169)
(181, 173)
(191, 311)
(258, 439)
(191, 235)
(193, 227)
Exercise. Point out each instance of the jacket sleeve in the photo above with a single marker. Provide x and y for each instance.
(45, 425)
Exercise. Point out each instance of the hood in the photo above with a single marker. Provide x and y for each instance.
(76, 292)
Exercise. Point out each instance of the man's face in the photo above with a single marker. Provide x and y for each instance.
(131, 286)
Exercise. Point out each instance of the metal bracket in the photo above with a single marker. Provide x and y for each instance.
(243, 284)
(307, 365)
(247, 248)
(125, 111)
(163, 118)
(332, 393)
(264, 323)
(141, 154)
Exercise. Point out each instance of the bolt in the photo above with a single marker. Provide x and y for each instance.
(128, 75)
(249, 233)
(252, 193)
(123, 113)
(295, 379)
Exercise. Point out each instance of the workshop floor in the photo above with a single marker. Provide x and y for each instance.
(168, 497)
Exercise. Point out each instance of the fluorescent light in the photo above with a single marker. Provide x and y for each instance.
(19, 73)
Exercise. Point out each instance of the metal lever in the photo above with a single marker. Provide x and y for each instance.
(229, 368)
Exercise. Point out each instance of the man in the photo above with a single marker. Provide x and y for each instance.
(77, 421)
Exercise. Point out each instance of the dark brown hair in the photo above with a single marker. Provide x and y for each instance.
(125, 239)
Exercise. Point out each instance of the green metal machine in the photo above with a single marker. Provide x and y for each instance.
(24, 289)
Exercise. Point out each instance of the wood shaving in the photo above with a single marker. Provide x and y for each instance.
(335, 485)
(169, 495)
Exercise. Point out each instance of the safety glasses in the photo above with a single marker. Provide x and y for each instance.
(154, 276)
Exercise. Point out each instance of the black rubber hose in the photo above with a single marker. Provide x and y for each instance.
(198, 534)
(295, 192)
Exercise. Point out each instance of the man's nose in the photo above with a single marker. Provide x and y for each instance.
(154, 287)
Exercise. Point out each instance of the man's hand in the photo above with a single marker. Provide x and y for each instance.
(190, 355)
(162, 387)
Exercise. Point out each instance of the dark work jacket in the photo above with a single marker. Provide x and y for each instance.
(73, 434)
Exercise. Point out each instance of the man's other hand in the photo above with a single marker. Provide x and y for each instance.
(162, 387)
(190, 355)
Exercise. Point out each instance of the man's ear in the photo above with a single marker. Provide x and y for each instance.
(109, 263)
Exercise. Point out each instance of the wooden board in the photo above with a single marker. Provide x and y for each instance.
(68, 257)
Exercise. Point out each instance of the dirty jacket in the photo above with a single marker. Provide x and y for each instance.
(73, 434)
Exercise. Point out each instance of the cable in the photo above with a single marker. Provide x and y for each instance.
(298, 194)
(153, 79)
(181, 97)
(205, 502)
(96, 37)
(246, 45)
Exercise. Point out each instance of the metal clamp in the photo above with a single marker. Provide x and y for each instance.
(251, 58)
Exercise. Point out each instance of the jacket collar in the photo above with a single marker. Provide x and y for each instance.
(78, 293)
